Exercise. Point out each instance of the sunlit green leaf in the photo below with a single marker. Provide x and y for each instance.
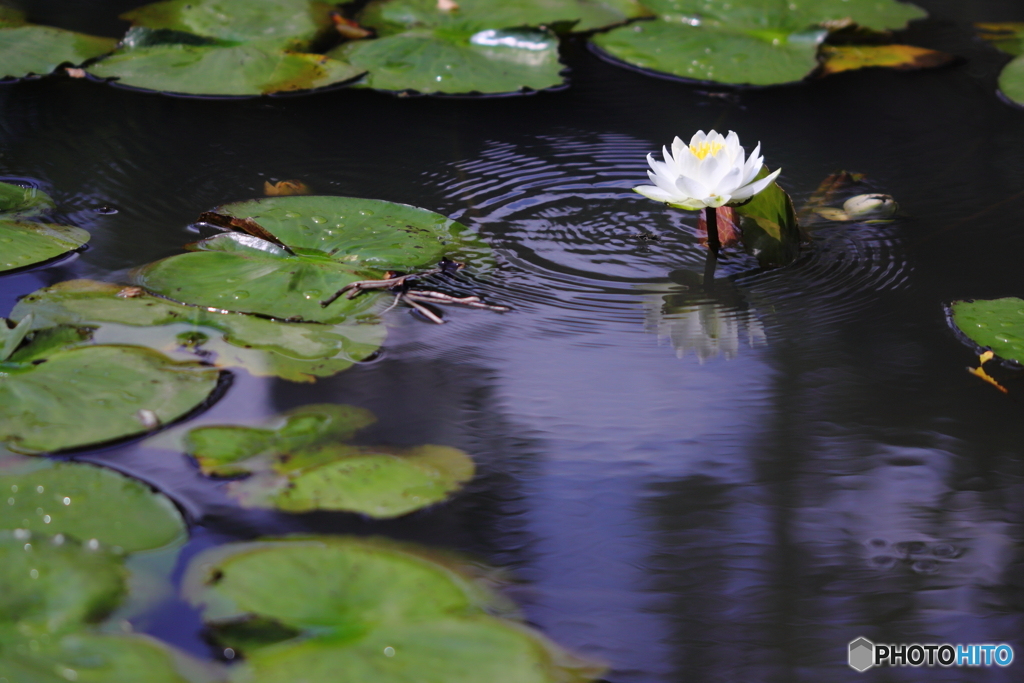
(997, 324)
(87, 502)
(744, 42)
(244, 70)
(93, 394)
(25, 244)
(294, 351)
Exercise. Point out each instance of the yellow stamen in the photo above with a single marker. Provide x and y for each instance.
(702, 149)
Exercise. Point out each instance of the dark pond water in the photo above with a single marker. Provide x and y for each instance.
(691, 487)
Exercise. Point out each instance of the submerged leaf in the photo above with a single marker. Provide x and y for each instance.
(370, 610)
(88, 502)
(89, 395)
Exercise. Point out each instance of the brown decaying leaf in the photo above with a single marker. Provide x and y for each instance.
(349, 29)
(285, 188)
(838, 58)
(728, 230)
(246, 225)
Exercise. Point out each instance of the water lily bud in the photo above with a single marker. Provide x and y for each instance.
(869, 206)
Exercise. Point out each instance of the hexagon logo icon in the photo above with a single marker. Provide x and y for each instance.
(862, 654)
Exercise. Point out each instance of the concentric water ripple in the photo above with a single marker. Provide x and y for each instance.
(562, 211)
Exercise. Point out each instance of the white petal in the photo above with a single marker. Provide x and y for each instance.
(730, 181)
(655, 193)
(717, 201)
(698, 138)
(691, 188)
(755, 187)
(666, 183)
(711, 169)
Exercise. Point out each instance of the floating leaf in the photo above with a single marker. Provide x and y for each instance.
(478, 46)
(1011, 80)
(335, 240)
(294, 351)
(283, 24)
(48, 587)
(1007, 36)
(93, 658)
(244, 70)
(27, 50)
(89, 395)
(996, 324)
(88, 502)
(222, 450)
(26, 244)
(743, 42)
(369, 610)
(18, 203)
(11, 337)
(838, 58)
(301, 465)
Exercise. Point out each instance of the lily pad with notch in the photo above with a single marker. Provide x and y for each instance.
(301, 464)
(478, 47)
(31, 50)
(56, 398)
(323, 244)
(128, 315)
(743, 42)
(996, 324)
(347, 609)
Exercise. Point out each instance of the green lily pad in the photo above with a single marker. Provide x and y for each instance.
(997, 324)
(1011, 80)
(769, 226)
(244, 70)
(333, 240)
(26, 244)
(93, 394)
(18, 203)
(283, 24)
(743, 42)
(368, 610)
(222, 450)
(431, 62)
(301, 465)
(100, 658)
(1007, 36)
(483, 46)
(11, 337)
(88, 502)
(27, 50)
(10, 16)
(51, 586)
(294, 351)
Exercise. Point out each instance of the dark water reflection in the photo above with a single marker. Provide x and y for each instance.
(695, 486)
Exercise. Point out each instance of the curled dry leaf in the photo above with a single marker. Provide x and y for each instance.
(285, 188)
(349, 30)
(837, 58)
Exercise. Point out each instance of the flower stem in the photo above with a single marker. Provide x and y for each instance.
(711, 219)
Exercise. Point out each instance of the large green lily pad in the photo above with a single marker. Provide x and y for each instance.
(301, 465)
(333, 241)
(100, 658)
(244, 70)
(82, 396)
(52, 586)
(483, 46)
(997, 324)
(293, 351)
(88, 502)
(284, 24)
(24, 244)
(743, 42)
(362, 610)
(27, 50)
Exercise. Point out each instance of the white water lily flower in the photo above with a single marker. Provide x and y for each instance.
(712, 171)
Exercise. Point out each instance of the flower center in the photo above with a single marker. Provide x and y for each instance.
(702, 149)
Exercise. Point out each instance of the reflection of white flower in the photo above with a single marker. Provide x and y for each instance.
(712, 171)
